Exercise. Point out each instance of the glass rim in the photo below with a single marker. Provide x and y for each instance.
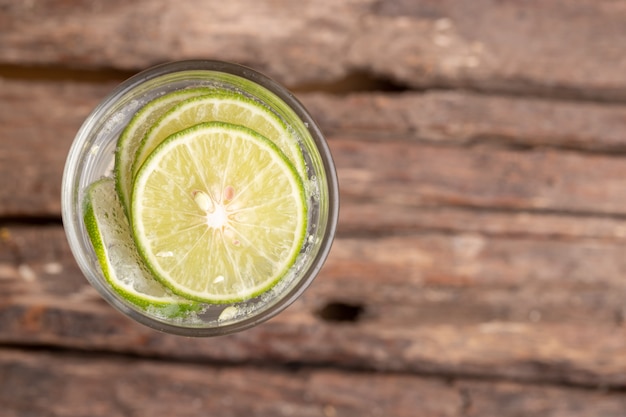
(70, 201)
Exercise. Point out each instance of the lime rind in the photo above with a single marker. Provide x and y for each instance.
(132, 135)
(184, 284)
(121, 265)
(227, 107)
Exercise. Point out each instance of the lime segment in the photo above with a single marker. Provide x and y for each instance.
(222, 106)
(132, 135)
(121, 265)
(218, 213)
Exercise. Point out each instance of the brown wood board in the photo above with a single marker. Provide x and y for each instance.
(548, 47)
(435, 303)
(97, 385)
(479, 265)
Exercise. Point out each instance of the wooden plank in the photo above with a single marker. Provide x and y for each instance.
(533, 310)
(464, 118)
(493, 45)
(502, 399)
(488, 44)
(39, 121)
(39, 383)
(550, 275)
(42, 383)
(403, 171)
(359, 218)
(544, 180)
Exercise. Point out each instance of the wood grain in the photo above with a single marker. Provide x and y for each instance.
(488, 44)
(464, 235)
(488, 399)
(531, 310)
(393, 165)
(95, 385)
(543, 180)
(81, 385)
(39, 120)
(362, 218)
(479, 264)
(463, 118)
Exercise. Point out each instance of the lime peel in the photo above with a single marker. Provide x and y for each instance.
(221, 106)
(132, 135)
(121, 265)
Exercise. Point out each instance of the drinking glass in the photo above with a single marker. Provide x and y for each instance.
(92, 155)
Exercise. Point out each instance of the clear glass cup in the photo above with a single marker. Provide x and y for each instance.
(91, 157)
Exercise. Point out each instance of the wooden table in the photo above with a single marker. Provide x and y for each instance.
(479, 267)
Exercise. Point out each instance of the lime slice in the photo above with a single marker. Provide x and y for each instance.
(219, 214)
(228, 107)
(131, 137)
(121, 265)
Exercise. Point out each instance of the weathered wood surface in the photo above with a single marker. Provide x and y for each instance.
(539, 46)
(410, 157)
(479, 267)
(122, 387)
(448, 304)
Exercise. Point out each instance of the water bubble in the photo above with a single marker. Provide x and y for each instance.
(228, 313)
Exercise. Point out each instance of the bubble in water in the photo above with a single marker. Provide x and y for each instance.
(228, 313)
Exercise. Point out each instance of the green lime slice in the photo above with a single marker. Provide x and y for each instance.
(218, 213)
(222, 106)
(133, 133)
(121, 265)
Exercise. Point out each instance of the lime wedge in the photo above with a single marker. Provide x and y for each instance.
(222, 106)
(131, 137)
(121, 265)
(218, 213)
